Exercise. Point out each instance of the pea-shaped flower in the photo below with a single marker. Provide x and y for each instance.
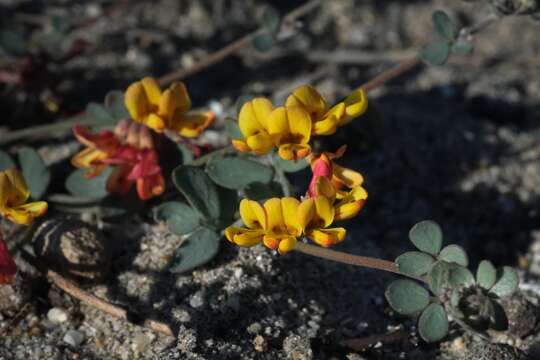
(158, 110)
(253, 123)
(315, 215)
(13, 196)
(290, 127)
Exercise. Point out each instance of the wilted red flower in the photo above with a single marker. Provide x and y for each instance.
(8, 269)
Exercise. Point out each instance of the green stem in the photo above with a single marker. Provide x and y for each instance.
(281, 177)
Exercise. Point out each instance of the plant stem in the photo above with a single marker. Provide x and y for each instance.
(233, 47)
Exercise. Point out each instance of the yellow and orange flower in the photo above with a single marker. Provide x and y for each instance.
(315, 215)
(326, 119)
(158, 110)
(13, 199)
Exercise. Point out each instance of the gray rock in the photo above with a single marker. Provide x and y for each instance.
(74, 338)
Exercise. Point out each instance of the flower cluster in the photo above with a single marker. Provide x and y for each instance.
(158, 110)
(290, 127)
(14, 195)
(130, 150)
(334, 193)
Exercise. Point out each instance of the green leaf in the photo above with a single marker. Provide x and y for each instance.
(229, 205)
(199, 190)
(99, 113)
(6, 162)
(460, 276)
(114, 103)
(507, 282)
(181, 219)
(444, 25)
(232, 129)
(433, 323)
(455, 254)
(271, 20)
(236, 173)
(263, 42)
(94, 188)
(427, 237)
(199, 248)
(407, 297)
(414, 263)
(187, 155)
(436, 53)
(35, 173)
(290, 166)
(260, 191)
(486, 275)
(462, 47)
(438, 277)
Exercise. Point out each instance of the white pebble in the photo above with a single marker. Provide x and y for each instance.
(57, 315)
(74, 338)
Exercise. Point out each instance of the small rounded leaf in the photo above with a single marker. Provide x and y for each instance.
(427, 237)
(95, 188)
(180, 218)
(34, 171)
(444, 25)
(507, 282)
(462, 47)
(199, 248)
(438, 277)
(263, 42)
(436, 53)
(407, 297)
(486, 275)
(414, 263)
(460, 276)
(271, 19)
(237, 173)
(433, 323)
(6, 162)
(454, 254)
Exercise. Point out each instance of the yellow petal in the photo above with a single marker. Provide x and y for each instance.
(299, 124)
(243, 237)
(351, 204)
(289, 206)
(25, 214)
(253, 214)
(355, 105)
(278, 123)
(306, 213)
(155, 122)
(309, 98)
(175, 101)
(88, 157)
(274, 214)
(136, 101)
(253, 117)
(294, 151)
(4, 189)
(287, 244)
(153, 92)
(260, 143)
(192, 125)
(347, 176)
(17, 189)
(325, 126)
(324, 187)
(327, 237)
(325, 210)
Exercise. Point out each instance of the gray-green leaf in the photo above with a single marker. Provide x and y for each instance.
(260, 191)
(236, 173)
(460, 276)
(94, 188)
(199, 190)
(181, 218)
(433, 323)
(462, 47)
(427, 237)
(486, 275)
(436, 53)
(438, 277)
(199, 248)
(271, 19)
(35, 173)
(289, 165)
(6, 162)
(444, 25)
(263, 42)
(414, 263)
(407, 297)
(232, 129)
(455, 254)
(507, 282)
(114, 103)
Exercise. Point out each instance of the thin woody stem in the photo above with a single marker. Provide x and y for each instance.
(356, 260)
(233, 47)
(92, 300)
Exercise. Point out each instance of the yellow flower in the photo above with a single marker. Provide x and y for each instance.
(13, 196)
(275, 224)
(158, 110)
(327, 119)
(253, 123)
(350, 203)
(290, 128)
(315, 215)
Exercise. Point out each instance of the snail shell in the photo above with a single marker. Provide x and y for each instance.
(72, 248)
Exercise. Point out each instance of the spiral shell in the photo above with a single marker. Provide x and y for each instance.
(72, 248)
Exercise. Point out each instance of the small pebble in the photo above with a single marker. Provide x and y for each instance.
(141, 342)
(196, 300)
(57, 315)
(73, 338)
